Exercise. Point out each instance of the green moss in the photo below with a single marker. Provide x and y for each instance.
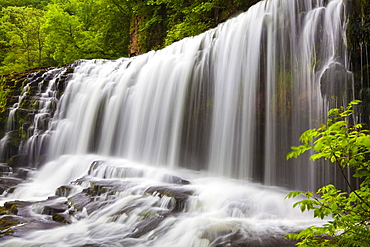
(59, 217)
(6, 222)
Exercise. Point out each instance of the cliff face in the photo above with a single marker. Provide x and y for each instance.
(358, 36)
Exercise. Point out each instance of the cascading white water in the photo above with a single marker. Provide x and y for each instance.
(47, 98)
(227, 103)
(232, 100)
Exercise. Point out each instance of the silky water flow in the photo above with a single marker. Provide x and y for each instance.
(186, 146)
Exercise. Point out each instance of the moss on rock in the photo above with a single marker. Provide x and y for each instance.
(6, 222)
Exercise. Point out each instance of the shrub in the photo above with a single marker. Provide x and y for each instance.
(347, 147)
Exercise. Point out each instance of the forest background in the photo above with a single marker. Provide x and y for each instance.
(39, 33)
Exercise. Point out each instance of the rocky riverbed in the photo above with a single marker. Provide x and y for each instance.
(124, 204)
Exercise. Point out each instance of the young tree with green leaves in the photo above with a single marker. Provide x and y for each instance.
(348, 147)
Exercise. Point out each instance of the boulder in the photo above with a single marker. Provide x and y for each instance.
(6, 224)
(178, 193)
(79, 201)
(62, 217)
(54, 205)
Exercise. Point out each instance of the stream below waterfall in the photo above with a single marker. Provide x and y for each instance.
(115, 202)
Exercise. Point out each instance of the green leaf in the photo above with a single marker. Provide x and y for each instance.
(298, 151)
(317, 156)
(293, 194)
(364, 141)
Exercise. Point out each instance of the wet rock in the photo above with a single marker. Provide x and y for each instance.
(178, 193)
(110, 171)
(175, 180)
(5, 169)
(18, 161)
(12, 139)
(219, 237)
(98, 194)
(335, 80)
(24, 173)
(18, 204)
(20, 208)
(54, 205)
(100, 186)
(18, 219)
(34, 224)
(63, 218)
(145, 226)
(92, 245)
(8, 208)
(6, 224)
(65, 190)
(127, 210)
(79, 201)
(8, 183)
(11, 207)
(96, 205)
(31, 85)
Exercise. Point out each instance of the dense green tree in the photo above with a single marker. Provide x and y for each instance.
(23, 39)
(78, 29)
(66, 40)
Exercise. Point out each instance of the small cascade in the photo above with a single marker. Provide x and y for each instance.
(29, 118)
(48, 95)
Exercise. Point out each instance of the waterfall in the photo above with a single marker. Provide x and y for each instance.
(161, 149)
(230, 101)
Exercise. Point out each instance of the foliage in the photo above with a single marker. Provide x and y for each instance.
(27, 3)
(55, 32)
(22, 38)
(4, 92)
(347, 147)
(189, 18)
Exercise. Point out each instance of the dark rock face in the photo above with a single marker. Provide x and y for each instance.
(358, 38)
